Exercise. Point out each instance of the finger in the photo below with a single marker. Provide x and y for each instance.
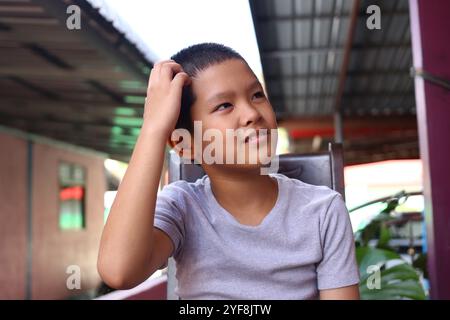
(169, 70)
(160, 63)
(181, 79)
(163, 62)
(155, 73)
(157, 66)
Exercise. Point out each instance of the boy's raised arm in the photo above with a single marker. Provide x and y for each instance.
(126, 255)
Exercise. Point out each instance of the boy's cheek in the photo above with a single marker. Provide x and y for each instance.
(271, 118)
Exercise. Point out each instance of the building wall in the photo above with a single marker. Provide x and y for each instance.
(53, 249)
(13, 217)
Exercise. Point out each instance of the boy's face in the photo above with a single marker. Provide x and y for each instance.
(229, 96)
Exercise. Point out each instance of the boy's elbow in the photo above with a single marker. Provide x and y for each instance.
(115, 279)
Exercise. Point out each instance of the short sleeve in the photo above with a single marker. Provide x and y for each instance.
(169, 213)
(338, 267)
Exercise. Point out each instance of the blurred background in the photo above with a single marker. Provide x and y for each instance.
(372, 75)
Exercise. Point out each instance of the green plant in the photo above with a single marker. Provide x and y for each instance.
(392, 277)
(399, 281)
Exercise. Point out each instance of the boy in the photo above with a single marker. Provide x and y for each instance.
(235, 233)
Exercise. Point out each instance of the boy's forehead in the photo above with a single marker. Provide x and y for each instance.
(228, 75)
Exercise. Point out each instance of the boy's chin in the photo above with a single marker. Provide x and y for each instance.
(242, 167)
(247, 165)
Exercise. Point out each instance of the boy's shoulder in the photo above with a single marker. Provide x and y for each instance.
(292, 184)
(316, 201)
(306, 189)
(183, 186)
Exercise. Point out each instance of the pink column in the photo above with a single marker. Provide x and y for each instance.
(430, 32)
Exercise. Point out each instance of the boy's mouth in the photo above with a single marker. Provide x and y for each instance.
(257, 136)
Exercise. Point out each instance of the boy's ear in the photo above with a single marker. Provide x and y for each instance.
(170, 142)
(174, 144)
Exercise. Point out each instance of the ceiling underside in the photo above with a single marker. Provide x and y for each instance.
(303, 44)
(87, 87)
(84, 87)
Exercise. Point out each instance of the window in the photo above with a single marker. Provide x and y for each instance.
(71, 196)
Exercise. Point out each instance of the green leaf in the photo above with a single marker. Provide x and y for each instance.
(399, 272)
(410, 289)
(385, 236)
(400, 281)
(367, 256)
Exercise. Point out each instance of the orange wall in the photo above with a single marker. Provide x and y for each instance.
(53, 250)
(13, 217)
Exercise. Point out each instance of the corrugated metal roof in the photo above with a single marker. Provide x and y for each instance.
(84, 87)
(302, 42)
(302, 46)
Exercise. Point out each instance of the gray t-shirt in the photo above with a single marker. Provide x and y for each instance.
(304, 244)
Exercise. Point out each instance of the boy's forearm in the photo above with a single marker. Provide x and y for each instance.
(127, 238)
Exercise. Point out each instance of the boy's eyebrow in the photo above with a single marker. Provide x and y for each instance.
(228, 93)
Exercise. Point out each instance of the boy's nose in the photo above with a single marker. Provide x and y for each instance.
(249, 115)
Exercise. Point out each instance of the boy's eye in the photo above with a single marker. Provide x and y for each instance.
(259, 94)
(223, 106)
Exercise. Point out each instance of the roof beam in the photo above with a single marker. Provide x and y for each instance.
(359, 73)
(312, 50)
(405, 122)
(31, 86)
(58, 10)
(299, 17)
(58, 119)
(82, 73)
(338, 126)
(96, 107)
(48, 126)
(372, 95)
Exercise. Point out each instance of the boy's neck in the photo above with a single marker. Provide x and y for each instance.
(246, 194)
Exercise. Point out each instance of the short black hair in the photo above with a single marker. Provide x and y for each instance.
(193, 60)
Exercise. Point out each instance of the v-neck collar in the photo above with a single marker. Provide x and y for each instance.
(216, 207)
